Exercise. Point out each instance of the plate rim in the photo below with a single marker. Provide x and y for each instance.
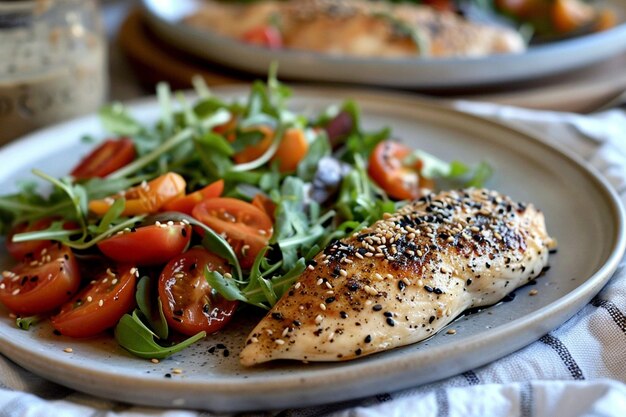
(229, 385)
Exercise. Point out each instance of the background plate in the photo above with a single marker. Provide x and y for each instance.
(165, 18)
(526, 168)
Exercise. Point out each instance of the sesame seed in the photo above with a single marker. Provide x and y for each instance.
(101, 303)
(15, 291)
(228, 275)
(533, 292)
(451, 331)
(177, 371)
(328, 284)
(343, 272)
(254, 340)
(89, 299)
(113, 282)
(279, 341)
(311, 268)
(319, 281)
(370, 290)
(68, 350)
(298, 285)
(154, 360)
(331, 336)
(323, 306)
(319, 318)
(285, 331)
(2, 286)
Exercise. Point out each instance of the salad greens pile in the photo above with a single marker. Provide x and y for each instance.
(329, 196)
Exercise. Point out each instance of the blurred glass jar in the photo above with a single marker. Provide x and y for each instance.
(52, 63)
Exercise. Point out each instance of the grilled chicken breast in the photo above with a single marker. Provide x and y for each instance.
(360, 28)
(404, 278)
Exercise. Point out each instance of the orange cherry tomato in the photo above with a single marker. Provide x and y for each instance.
(187, 203)
(569, 15)
(147, 245)
(189, 303)
(388, 169)
(110, 156)
(268, 36)
(41, 284)
(292, 149)
(100, 305)
(147, 198)
(246, 227)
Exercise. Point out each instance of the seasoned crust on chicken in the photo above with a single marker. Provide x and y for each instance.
(404, 278)
(360, 28)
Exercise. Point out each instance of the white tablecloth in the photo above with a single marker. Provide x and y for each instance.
(578, 369)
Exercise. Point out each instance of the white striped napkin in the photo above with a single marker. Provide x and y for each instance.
(578, 369)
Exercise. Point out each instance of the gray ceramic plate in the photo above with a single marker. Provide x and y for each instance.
(165, 16)
(581, 212)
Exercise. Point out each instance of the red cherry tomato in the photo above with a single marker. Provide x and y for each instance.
(110, 156)
(267, 36)
(246, 227)
(189, 303)
(21, 250)
(147, 245)
(100, 305)
(41, 284)
(187, 203)
(388, 168)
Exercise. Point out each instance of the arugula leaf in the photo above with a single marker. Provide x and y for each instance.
(319, 148)
(133, 335)
(151, 307)
(24, 323)
(116, 119)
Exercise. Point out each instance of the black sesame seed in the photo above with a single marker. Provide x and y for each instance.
(358, 352)
(212, 349)
(388, 314)
(401, 285)
(168, 375)
(367, 339)
(390, 322)
(343, 314)
(428, 288)
(220, 346)
(377, 307)
(297, 323)
(431, 319)
(469, 281)
(226, 353)
(329, 300)
(437, 291)
(277, 316)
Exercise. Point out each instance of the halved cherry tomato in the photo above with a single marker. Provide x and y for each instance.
(387, 167)
(189, 303)
(21, 250)
(569, 15)
(268, 36)
(227, 129)
(246, 227)
(266, 204)
(187, 203)
(147, 198)
(147, 245)
(99, 305)
(292, 149)
(42, 284)
(110, 156)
